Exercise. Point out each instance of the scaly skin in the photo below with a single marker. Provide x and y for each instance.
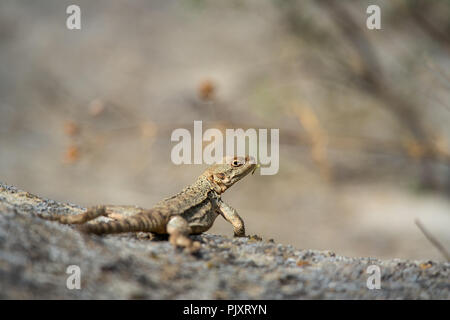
(192, 211)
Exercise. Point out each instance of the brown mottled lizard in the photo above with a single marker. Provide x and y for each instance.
(192, 211)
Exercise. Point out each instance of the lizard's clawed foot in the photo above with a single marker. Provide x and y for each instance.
(179, 231)
(180, 240)
(195, 247)
(239, 233)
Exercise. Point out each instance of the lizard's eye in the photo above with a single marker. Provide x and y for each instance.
(236, 163)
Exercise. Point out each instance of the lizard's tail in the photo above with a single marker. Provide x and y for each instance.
(80, 218)
(149, 221)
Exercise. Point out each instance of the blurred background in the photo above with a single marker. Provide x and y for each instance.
(86, 115)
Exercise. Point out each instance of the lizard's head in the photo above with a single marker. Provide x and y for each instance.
(232, 169)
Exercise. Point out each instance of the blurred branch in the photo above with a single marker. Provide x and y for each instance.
(419, 10)
(318, 139)
(431, 65)
(292, 137)
(433, 240)
(370, 78)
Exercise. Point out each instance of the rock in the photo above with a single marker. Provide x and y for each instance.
(35, 255)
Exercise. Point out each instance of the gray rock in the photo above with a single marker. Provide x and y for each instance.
(35, 254)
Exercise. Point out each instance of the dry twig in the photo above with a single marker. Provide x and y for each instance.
(433, 240)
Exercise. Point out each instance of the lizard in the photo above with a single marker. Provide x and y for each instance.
(191, 211)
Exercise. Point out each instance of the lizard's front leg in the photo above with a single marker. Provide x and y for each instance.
(179, 230)
(230, 214)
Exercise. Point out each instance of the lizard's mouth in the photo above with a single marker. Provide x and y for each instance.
(251, 162)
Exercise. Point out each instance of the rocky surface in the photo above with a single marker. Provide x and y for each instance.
(35, 254)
